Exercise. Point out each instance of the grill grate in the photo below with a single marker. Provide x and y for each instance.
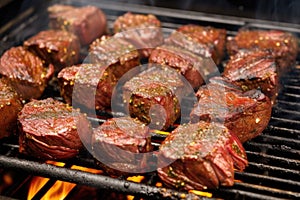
(273, 171)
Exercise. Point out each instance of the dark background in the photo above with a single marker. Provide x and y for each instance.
(274, 10)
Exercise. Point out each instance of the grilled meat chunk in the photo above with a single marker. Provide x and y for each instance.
(117, 53)
(61, 48)
(154, 104)
(119, 142)
(143, 31)
(155, 73)
(10, 106)
(88, 22)
(246, 114)
(66, 79)
(203, 156)
(49, 129)
(25, 72)
(93, 81)
(283, 45)
(164, 83)
(194, 68)
(201, 40)
(58, 8)
(254, 70)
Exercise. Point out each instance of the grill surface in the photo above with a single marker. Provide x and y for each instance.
(273, 171)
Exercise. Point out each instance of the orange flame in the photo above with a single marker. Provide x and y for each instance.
(237, 181)
(200, 193)
(60, 189)
(136, 179)
(36, 184)
(158, 184)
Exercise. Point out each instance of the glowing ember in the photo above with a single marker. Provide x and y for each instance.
(136, 179)
(129, 197)
(158, 184)
(238, 181)
(60, 189)
(161, 132)
(58, 164)
(85, 169)
(200, 193)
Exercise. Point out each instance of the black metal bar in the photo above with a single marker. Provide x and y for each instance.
(16, 20)
(93, 180)
(258, 189)
(238, 194)
(284, 173)
(270, 139)
(276, 150)
(286, 186)
(275, 160)
(282, 131)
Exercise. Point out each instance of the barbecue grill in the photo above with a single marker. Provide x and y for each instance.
(274, 164)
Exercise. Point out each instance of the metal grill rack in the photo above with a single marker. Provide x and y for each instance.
(274, 164)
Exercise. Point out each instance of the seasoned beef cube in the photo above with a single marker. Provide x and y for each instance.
(10, 106)
(156, 73)
(245, 114)
(58, 8)
(66, 80)
(283, 45)
(254, 70)
(119, 142)
(154, 104)
(50, 129)
(88, 22)
(117, 53)
(159, 79)
(194, 68)
(203, 156)
(93, 81)
(143, 31)
(130, 20)
(201, 40)
(60, 48)
(25, 72)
